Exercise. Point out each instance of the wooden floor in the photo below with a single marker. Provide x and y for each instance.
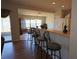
(23, 49)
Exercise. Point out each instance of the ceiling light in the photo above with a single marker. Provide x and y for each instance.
(62, 6)
(53, 3)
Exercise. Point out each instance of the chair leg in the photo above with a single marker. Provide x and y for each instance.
(59, 54)
(51, 54)
(35, 41)
(38, 43)
(54, 54)
(41, 44)
(46, 53)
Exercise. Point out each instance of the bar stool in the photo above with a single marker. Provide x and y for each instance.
(41, 39)
(52, 46)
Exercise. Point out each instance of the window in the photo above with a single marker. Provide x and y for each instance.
(5, 24)
(27, 22)
(39, 23)
(31, 23)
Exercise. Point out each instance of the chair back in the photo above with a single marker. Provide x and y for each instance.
(47, 36)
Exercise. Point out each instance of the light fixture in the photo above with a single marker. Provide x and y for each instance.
(62, 6)
(53, 3)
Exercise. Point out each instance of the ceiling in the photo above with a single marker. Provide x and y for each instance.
(45, 4)
(33, 12)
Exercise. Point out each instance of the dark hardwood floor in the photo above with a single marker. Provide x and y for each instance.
(23, 49)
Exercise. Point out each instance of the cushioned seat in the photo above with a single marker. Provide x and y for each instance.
(40, 39)
(53, 46)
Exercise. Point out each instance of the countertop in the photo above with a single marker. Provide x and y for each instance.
(60, 33)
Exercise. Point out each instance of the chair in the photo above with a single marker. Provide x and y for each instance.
(40, 39)
(34, 35)
(52, 46)
(30, 33)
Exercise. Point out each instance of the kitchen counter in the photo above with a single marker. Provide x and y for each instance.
(60, 33)
(63, 39)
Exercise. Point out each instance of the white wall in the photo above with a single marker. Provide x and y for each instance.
(58, 23)
(73, 34)
(50, 21)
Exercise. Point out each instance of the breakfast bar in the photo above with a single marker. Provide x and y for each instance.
(67, 35)
(63, 39)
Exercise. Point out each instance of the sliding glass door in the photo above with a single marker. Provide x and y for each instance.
(6, 28)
